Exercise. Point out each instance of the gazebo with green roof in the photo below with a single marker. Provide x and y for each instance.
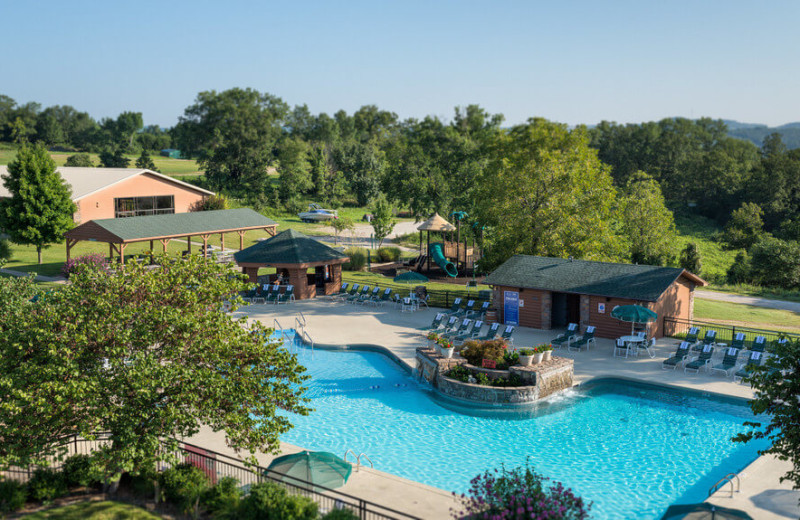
(292, 254)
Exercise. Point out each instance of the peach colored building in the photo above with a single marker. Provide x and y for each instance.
(549, 293)
(102, 193)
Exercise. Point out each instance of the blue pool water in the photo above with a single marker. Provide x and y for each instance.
(632, 450)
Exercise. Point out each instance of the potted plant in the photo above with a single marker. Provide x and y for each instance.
(548, 352)
(446, 348)
(433, 338)
(526, 357)
(538, 354)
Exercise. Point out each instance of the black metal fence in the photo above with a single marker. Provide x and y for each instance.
(679, 327)
(217, 465)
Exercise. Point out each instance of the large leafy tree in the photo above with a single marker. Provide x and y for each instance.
(232, 133)
(545, 192)
(647, 224)
(294, 168)
(382, 220)
(40, 208)
(745, 226)
(147, 355)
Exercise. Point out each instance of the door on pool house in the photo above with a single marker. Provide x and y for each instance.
(566, 309)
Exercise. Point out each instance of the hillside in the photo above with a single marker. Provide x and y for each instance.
(756, 133)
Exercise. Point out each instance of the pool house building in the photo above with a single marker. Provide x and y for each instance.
(549, 293)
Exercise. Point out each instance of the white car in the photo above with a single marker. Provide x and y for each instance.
(317, 213)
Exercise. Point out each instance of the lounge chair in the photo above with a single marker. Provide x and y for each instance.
(357, 295)
(436, 323)
(465, 325)
(273, 294)
(702, 361)
(476, 329)
(491, 333)
(342, 292)
(481, 311)
(353, 292)
(368, 297)
(506, 335)
(468, 309)
(567, 337)
(759, 344)
(708, 340)
(738, 341)
(450, 326)
(586, 340)
(728, 362)
(691, 336)
(680, 356)
(287, 296)
(456, 307)
(466, 333)
(263, 291)
(386, 296)
(755, 360)
(250, 294)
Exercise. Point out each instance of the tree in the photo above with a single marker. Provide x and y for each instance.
(211, 203)
(745, 226)
(146, 162)
(690, 259)
(776, 263)
(739, 271)
(382, 220)
(5, 251)
(294, 169)
(146, 355)
(82, 160)
(114, 158)
(363, 166)
(545, 192)
(777, 387)
(342, 224)
(40, 208)
(646, 222)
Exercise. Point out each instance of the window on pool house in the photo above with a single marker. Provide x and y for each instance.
(139, 206)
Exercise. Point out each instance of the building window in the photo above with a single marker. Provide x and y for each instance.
(139, 206)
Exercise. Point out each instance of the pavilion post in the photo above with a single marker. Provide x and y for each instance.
(164, 242)
(189, 244)
(151, 248)
(241, 239)
(205, 246)
(70, 244)
(110, 252)
(429, 250)
(122, 253)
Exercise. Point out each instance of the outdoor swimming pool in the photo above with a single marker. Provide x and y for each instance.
(632, 450)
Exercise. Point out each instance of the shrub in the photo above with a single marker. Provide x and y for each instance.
(744, 227)
(214, 202)
(46, 485)
(389, 254)
(482, 378)
(509, 360)
(459, 373)
(95, 259)
(269, 501)
(184, 485)
(143, 485)
(776, 263)
(476, 351)
(690, 259)
(78, 471)
(294, 206)
(340, 514)
(358, 259)
(223, 497)
(5, 250)
(739, 271)
(12, 496)
(83, 160)
(520, 493)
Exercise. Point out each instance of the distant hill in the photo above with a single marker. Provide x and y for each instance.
(790, 132)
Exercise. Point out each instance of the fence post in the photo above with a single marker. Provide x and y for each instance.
(733, 332)
(362, 509)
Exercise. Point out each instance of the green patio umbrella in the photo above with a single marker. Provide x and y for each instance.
(410, 277)
(704, 511)
(633, 314)
(319, 468)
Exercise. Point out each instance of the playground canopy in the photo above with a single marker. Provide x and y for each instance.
(436, 223)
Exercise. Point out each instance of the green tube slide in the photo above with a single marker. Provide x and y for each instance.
(437, 253)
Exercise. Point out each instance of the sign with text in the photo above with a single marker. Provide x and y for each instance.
(489, 363)
(511, 307)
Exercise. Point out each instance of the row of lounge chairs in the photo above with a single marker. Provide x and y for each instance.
(572, 340)
(469, 309)
(363, 295)
(449, 326)
(730, 365)
(758, 344)
(269, 294)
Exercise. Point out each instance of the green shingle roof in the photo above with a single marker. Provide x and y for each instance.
(635, 282)
(288, 247)
(180, 224)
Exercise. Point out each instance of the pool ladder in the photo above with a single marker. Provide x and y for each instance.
(358, 458)
(727, 479)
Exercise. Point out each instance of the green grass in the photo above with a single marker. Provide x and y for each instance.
(105, 510)
(702, 231)
(746, 315)
(773, 293)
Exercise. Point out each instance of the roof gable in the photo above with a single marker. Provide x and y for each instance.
(615, 280)
(289, 247)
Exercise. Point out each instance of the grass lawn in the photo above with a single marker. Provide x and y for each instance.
(746, 315)
(700, 230)
(105, 510)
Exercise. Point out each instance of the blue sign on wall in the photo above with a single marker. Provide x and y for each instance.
(511, 307)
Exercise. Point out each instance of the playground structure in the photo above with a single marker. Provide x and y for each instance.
(449, 255)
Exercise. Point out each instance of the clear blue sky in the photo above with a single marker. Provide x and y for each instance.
(569, 61)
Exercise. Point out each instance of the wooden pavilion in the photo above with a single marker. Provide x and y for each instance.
(119, 232)
(292, 254)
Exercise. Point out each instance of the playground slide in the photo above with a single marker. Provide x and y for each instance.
(437, 254)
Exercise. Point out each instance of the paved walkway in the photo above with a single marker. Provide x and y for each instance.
(39, 277)
(748, 300)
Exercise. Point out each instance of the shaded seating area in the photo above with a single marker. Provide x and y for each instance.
(118, 233)
(293, 254)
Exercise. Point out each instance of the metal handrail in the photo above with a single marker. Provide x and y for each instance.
(726, 479)
(362, 454)
(354, 455)
(300, 315)
(310, 342)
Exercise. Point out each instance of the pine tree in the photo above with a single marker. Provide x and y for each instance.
(146, 162)
(40, 209)
(690, 259)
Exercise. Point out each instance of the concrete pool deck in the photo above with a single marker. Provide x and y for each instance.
(762, 495)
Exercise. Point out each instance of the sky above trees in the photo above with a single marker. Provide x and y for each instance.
(573, 62)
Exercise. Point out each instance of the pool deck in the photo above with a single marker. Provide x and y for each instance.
(762, 496)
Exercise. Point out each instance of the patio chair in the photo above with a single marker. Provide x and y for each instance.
(586, 340)
(465, 324)
(476, 329)
(702, 361)
(250, 294)
(755, 360)
(287, 296)
(342, 292)
(691, 336)
(423, 301)
(567, 337)
(274, 292)
(648, 345)
(506, 335)
(620, 347)
(738, 341)
(466, 333)
(263, 291)
(354, 297)
(456, 307)
(759, 344)
(481, 311)
(368, 297)
(708, 339)
(353, 292)
(436, 323)
(491, 333)
(680, 356)
(451, 325)
(385, 297)
(468, 308)
(728, 362)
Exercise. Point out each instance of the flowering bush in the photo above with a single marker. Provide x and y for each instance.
(95, 259)
(433, 336)
(519, 493)
(476, 351)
